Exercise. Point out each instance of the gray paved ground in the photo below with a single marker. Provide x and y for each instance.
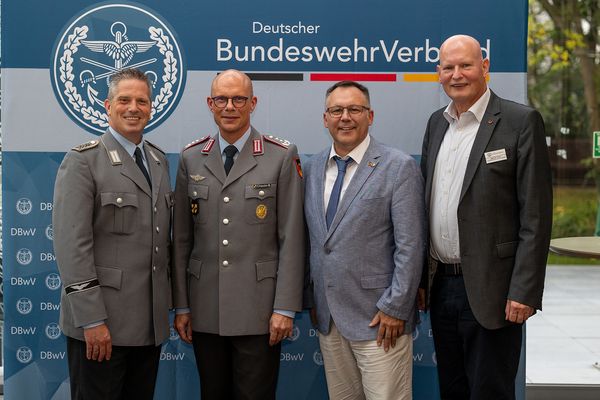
(563, 341)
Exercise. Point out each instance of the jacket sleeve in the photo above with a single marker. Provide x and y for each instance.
(534, 192)
(183, 237)
(72, 220)
(290, 230)
(409, 234)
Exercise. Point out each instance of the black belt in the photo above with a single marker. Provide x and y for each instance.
(448, 269)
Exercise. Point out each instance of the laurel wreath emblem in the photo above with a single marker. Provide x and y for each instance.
(99, 118)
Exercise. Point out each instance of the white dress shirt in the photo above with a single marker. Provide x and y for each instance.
(331, 171)
(448, 176)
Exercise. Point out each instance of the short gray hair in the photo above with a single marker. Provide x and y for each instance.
(127, 73)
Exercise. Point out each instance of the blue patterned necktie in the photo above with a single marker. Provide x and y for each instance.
(337, 189)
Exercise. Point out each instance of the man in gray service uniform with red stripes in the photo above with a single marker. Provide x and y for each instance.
(239, 247)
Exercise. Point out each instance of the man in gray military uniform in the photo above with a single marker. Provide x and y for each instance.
(111, 222)
(239, 247)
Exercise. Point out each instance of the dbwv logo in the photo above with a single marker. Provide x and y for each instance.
(104, 40)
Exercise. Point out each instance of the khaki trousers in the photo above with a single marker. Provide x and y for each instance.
(361, 370)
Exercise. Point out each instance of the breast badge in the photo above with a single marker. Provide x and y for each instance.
(261, 211)
(194, 207)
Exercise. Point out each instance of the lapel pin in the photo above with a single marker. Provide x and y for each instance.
(490, 121)
(372, 164)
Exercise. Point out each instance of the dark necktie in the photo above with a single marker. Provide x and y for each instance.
(337, 189)
(229, 153)
(140, 163)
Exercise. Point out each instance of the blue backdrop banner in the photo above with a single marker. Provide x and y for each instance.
(56, 61)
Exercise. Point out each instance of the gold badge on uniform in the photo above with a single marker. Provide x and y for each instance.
(194, 207)
(261, 211)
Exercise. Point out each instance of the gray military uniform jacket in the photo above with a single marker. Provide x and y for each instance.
(112, 242)
(238, 239)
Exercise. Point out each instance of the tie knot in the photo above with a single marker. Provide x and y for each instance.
(230, 151)
(342, 164)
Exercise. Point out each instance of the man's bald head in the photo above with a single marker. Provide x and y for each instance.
(463, 71)
(462, 41)
(230, 76)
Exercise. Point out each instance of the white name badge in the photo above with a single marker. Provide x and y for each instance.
(495, 156)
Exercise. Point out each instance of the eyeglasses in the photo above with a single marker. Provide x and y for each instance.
(222, 101)
(337, 111)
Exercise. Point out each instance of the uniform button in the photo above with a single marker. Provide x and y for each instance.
(225, 221)
(225, 242)
(156, 249)
(194, 193)
(155, 209)
(157, 229)
(261, 192)
(119, 200)
(226, 199)
(225, 263)
(154, 268)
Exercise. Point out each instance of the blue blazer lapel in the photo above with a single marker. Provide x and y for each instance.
(484, 134)
(317, 185)
(368, 164)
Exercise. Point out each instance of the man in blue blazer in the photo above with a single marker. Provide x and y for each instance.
(364, 209)
(489, 204)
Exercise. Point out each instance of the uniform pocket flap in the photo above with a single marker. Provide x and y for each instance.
(119, 199)
(198, 191)
(376, 281)
(266, 269)
(260, 191)
(110, 277)
(195, 267)
(508, 249)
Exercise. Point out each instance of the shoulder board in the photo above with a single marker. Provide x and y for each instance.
(155, 146)
(196, 142)
(86, 146)
(278, 141)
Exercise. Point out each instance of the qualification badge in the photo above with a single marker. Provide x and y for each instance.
(261, 211)
(298, 167)
(194, 207)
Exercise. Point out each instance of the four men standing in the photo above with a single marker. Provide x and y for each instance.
(239, 252)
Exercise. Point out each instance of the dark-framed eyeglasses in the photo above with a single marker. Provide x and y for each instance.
(222, 101)
(354, 110)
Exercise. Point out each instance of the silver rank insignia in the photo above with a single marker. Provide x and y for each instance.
(86, 146)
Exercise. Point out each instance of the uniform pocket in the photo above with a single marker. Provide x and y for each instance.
(198, 198)
(124, 210)
(109, 277)
(260, 203)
